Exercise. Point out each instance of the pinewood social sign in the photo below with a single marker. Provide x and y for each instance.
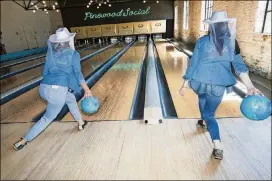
(121, 13)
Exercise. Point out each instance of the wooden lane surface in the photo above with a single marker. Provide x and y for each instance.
(30, 104)
(174, 64)
(115, 90)
(20, 59)
(14, 81)
(4, 71)
(128, 150)
(24, 77)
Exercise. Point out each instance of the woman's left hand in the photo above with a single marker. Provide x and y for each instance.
(88, 93)
(253, 91)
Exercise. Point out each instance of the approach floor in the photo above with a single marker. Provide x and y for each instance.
(129, 150)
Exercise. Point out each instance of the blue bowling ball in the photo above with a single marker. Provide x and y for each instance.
(90, 105)
(256, 107)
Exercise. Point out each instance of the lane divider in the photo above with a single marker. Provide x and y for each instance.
(187, 52)
(167, 104)
(21, 62)
(137, 108)
(21, 71)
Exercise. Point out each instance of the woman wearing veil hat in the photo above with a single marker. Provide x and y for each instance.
(209, 73)
(61, 77)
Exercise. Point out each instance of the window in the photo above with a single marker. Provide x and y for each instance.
(206, 13)
(263, 17)
(176, 17)
(266, 28)
(185, 15)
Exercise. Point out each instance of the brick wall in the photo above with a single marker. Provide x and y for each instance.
(255, 47)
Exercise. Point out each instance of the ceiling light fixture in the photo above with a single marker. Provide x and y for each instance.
(44, 5)
(99, 3)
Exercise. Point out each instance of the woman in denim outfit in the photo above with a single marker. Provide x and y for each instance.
(61, 77)
(209, 73)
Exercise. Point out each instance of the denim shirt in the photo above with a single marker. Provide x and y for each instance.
(209, 68)
(63, 70)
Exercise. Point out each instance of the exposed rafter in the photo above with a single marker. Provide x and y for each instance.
(34, 5)
(26, 4)
(20, 4)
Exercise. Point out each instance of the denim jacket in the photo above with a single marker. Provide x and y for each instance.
(63, 70)
(209, 68)
(211, 73)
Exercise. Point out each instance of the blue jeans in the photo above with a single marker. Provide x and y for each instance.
(56, 98)
(207, 106)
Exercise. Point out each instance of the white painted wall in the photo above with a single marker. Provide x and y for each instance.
(25, 30)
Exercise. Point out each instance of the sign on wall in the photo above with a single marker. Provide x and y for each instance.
(118, 13)
(122, 13)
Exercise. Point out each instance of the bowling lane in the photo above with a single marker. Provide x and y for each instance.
(30, 104)
(14, 81)
(22, 59)
(174, 64)
(115, 90)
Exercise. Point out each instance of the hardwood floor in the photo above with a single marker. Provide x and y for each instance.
(128, 150)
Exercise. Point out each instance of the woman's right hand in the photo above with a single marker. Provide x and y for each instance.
(181, 91)
(253, 90)
(183, 87)
(87, 93)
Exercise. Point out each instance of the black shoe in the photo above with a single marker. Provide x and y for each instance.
(18, 146)
(200, 124)
(82, 126)
(218, 154)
